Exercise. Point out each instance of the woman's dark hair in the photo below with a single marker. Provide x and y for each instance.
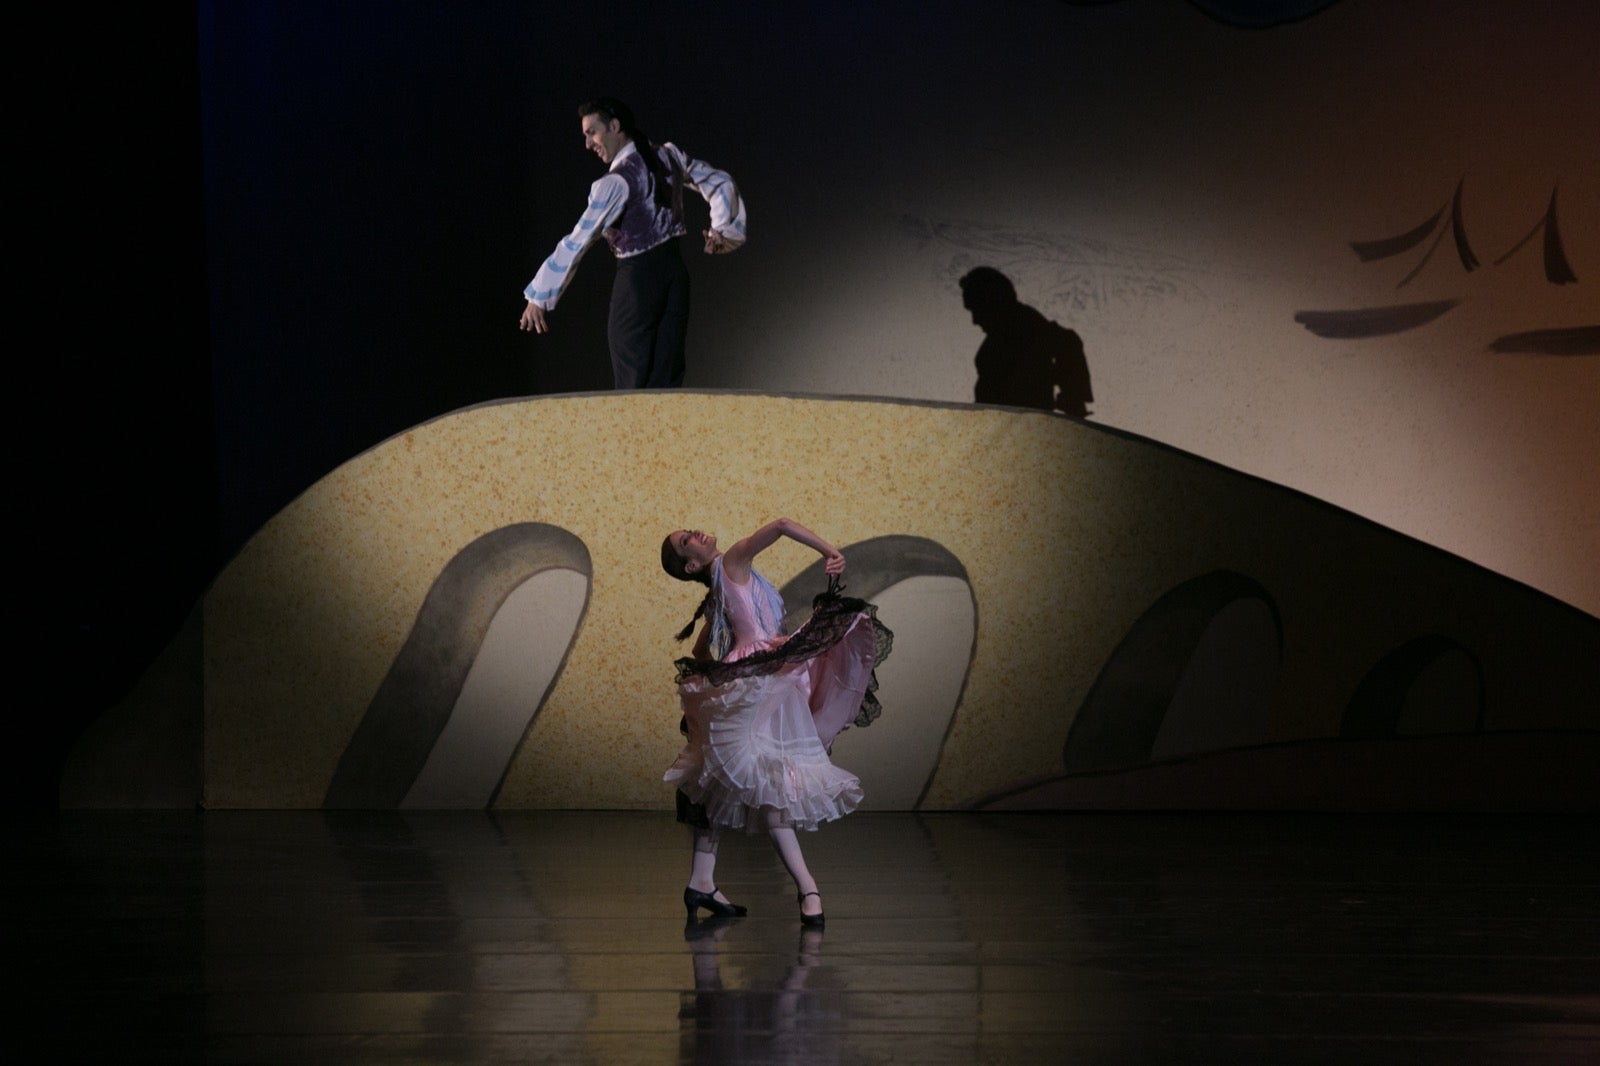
(609, 108)
(678, 567)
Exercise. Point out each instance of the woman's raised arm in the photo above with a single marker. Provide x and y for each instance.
(736, 560)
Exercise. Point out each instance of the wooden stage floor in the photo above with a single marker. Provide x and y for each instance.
(288, 937)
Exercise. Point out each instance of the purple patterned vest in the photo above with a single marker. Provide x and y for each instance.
(642, 224)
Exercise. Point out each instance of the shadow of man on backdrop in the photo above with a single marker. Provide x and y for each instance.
(1025, 360)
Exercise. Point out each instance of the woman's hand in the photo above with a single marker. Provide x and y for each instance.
(833, 562)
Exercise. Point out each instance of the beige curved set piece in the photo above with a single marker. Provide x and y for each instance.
(472, 614)
(486, 648)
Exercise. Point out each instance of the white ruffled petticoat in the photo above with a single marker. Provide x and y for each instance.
(762, 741)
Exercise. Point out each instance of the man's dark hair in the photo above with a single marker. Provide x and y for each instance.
(609, 108)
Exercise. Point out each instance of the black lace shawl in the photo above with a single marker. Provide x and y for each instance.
(832, 615)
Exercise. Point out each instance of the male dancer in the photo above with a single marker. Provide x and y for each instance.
(638, 206)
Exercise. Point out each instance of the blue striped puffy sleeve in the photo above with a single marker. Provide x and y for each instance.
(606, 199)
(721, 195)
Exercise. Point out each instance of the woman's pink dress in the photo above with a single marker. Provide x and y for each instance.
(762, 719)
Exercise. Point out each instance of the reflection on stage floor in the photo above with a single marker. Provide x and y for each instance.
(344, 937)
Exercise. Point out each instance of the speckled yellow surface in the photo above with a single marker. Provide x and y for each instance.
(1068, 533)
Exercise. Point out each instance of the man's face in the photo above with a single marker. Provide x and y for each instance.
(604, 139)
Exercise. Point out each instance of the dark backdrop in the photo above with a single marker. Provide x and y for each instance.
(288, 231)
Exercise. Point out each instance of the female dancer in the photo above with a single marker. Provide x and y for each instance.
(761, 709)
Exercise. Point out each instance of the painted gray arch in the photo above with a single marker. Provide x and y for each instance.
(925, 597)
(871, 566)
(415, 702)
(1431, 684)
(1121, 719)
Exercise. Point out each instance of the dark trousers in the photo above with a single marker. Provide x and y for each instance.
(649, 319)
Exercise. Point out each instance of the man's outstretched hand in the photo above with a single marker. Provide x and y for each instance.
(533, 319)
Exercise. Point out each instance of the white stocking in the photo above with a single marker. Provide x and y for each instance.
(788, 848)
(703, 865)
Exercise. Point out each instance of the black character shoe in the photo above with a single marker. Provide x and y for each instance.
(810, 921)
(693, 900)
